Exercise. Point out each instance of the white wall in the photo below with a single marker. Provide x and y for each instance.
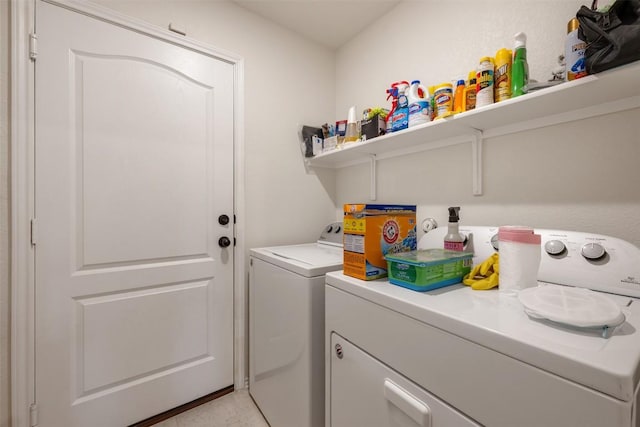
(580, 176)
(4, 215)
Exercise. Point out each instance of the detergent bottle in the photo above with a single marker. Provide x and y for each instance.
(419, 108)
(458, 97)
(400, 119)
(520, 68)
(484, 82)
(574, 52)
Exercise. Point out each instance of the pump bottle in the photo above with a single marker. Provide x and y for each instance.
(352, 133)
(454, 241)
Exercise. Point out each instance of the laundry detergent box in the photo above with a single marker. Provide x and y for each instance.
(428, 269)
(372, 231)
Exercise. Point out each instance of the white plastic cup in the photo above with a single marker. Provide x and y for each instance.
(520, 254)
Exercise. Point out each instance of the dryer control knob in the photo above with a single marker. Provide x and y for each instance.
(329, 228)
(593, 251)
(495, 243)
(554, 247)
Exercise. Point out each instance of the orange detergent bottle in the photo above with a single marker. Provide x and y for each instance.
(458, 97)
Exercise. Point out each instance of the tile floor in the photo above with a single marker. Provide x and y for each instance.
(232, 410)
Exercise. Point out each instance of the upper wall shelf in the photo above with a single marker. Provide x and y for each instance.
(607, 92)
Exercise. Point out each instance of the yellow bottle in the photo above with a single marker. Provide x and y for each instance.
(470, 92)
(458, 97)
(502, 75)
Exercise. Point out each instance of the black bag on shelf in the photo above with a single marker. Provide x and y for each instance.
(612, 37)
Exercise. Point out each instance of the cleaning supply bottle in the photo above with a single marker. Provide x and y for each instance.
(502, 75)
(458, 97)
(400, 119)
(432, 102)
(574, 52)
(419, 108)
(393, 94)
(484, 82)
(470, 92)
(520, 68)
(352, 134)
(443, 96)
(454, 241)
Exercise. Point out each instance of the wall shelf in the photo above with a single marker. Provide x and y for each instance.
(604, 93)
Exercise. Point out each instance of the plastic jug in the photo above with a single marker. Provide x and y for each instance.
(419, 107)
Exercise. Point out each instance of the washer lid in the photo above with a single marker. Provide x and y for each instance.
(313, 255)
(308, 260)
(578, 307)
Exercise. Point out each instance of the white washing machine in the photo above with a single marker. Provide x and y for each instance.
(286, 328)
(458, 357)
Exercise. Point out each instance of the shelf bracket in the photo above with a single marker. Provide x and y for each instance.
(372, 169)
(476, 158)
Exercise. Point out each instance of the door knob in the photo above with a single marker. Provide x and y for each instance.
(224, 242)
(223, 219)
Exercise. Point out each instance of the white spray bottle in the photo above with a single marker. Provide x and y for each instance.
(454, 241)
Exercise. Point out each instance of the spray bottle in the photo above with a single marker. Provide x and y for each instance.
(520, 68)
(454, 241)
(393, 94)
(400, 119)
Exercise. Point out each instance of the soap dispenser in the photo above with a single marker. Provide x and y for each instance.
(352, 134)
(454, 241)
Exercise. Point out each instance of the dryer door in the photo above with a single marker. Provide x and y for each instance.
(365, 392)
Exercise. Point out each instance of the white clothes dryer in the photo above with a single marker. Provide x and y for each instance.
(286, 327)
(458, 357)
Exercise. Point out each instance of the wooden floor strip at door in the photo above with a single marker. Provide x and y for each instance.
(183, 408)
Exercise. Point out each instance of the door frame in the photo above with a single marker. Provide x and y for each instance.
(22, 107)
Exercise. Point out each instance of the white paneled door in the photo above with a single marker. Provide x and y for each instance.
(134, 167)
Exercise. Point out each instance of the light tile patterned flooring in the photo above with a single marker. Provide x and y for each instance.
(232, 410)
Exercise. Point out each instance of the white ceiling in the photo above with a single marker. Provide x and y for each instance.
(329, 22)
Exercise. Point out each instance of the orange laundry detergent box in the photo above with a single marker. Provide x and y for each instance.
(371, 232)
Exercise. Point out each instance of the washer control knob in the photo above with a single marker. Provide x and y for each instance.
(494, 242)
(337, 229)
(593, 251)
(554, 247)
(329, 229)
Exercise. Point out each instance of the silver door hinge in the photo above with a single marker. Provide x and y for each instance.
(34, 231)
(33, 415)
(33, 46)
